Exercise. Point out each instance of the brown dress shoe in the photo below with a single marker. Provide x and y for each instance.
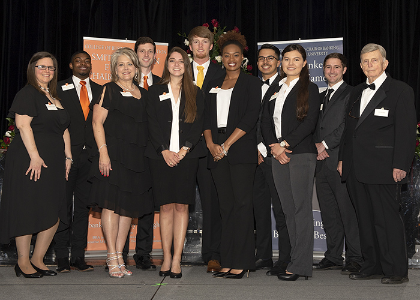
(213, 266)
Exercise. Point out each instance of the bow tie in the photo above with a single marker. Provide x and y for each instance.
(371, 86)
(267, 82)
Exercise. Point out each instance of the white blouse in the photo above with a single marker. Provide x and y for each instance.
(174, 141)
(281, 97)
(223, 104)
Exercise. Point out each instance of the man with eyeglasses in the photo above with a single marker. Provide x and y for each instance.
(376, 152)
(200, 41)
(265, 191)
(337, 211)
(75, 94)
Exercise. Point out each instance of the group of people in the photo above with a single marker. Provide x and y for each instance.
(141, 142)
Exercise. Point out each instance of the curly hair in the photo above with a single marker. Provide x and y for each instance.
(232, 37)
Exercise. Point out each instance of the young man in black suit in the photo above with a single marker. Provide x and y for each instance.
(376, 152)
(265, 191)
(201, 42)
(337, 211)
(75, 95)
(145, 48)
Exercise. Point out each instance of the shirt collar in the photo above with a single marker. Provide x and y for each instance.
(77, 80)
(336, 86)
(205, 65)
(378, 81)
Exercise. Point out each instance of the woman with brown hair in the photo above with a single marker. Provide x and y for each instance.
(120, 173)
(232, 107)
(38, 162)
(288, 123)
(175, 110)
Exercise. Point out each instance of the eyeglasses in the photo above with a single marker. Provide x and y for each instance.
(269, 58)
(41, 67)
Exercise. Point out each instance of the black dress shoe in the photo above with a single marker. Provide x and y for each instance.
(363, 276)
(236, 276)
(165, 273)
(175, 275)
(63, 265)
(80, 264)
(326, 264)
(290, 277)
(19, 272)
(278, 268)
(351, 267)
(263, 264)
(44, 272)
(144, 263)
(394, 279)
(220, 274)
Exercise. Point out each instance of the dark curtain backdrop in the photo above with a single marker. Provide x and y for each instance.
(59, 26)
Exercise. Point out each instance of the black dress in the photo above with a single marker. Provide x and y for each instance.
(28, 207)
(127, 190)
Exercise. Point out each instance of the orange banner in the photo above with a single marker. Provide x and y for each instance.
(101, 49)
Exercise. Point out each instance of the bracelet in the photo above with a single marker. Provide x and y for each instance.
(101, 147)
(223, 149)
(69, 158)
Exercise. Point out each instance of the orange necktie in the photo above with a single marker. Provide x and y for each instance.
(84, 99)
(145, 85)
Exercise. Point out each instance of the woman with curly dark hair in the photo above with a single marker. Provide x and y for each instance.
(232, 106)
(288, 123)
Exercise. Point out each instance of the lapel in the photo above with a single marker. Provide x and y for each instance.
(335, 97)
(167, 102)
(213, 99)
(74, 98)
(211, 71)
(376, 99)
(274, 87)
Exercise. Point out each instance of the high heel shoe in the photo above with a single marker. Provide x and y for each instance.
(113, 274)
(175, 275)
(230, 275)
(125, 271)
(44, 272)
(19, 272)
(290, 277)
(165, 273)
(220, 274)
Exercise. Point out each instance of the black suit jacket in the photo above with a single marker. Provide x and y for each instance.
(374, 145)
(81, 133)
(299, 134)
(160, 124)
(331, 122)
(266, 98)
(214, 71)
(243, 114)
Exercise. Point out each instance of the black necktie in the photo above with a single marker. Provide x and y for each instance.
(327, 99)
(371, 86)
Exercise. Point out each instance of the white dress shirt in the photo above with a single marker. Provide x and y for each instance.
(368, 93)
(206, 67)
(149, 79)
(222, 105)
(281, 97)
(78, 86)
(174, 141)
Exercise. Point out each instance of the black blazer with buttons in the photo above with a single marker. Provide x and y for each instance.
(160, 124)
(375, 144)
(298, 134)
(331, 122)
(81, 133)
(243, 114)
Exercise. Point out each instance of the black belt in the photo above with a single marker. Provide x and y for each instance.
(221, 130)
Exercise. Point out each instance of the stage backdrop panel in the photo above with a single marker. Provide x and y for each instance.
(100, 51)
(316, 50)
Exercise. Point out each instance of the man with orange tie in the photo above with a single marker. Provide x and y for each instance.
(145, 48)
(75, 94)
(201, 42)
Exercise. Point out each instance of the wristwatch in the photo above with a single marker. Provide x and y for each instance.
(283, 144)
(185, 148)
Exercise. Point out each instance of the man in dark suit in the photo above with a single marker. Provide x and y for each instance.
(200, 41)
(337, 211)
(75, 94)
(145, 48)
(376, 152)
(265, 191)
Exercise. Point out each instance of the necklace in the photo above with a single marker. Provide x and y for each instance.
(125, 88)
(44, 89)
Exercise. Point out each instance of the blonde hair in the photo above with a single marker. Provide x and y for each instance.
(131, 55)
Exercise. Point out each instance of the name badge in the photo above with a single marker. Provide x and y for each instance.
(51, 106)
(126, 94)
(382, 112)
(273, 97)
(164, 96)
(67, 87)
(215, 90)
(322, 105)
